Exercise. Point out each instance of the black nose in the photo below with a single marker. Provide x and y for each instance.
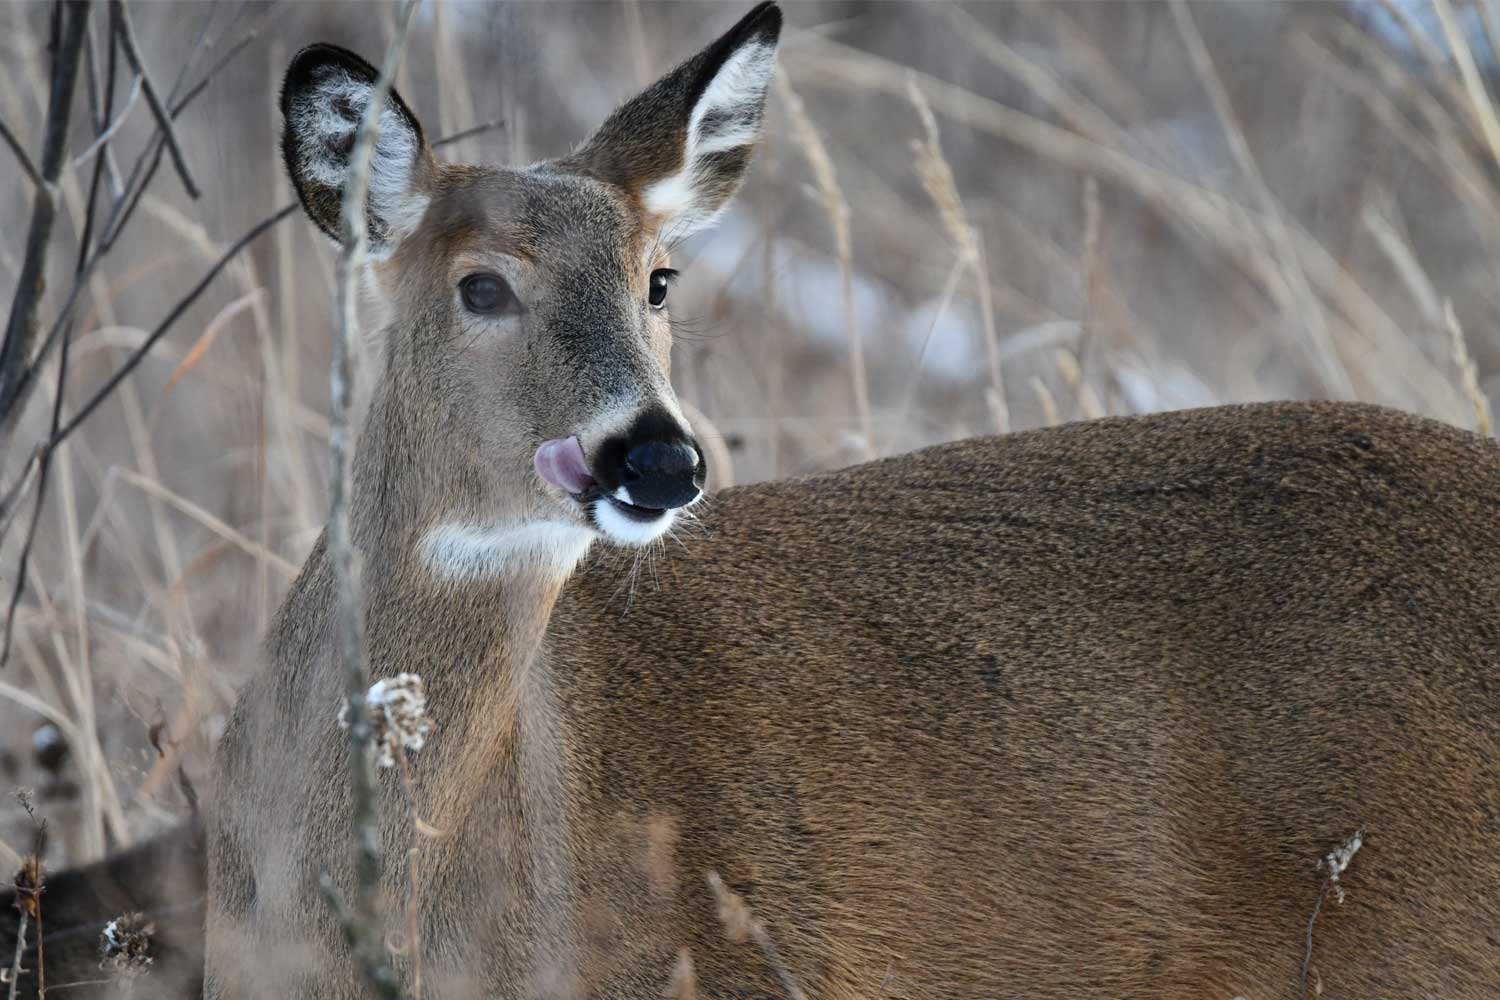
(662, 474)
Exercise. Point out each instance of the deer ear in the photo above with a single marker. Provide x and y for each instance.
(325, 94)
(681, 148)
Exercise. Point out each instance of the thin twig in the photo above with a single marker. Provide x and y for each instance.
(179, 102)
(837, 206)
(36, 514)
(102, 109)
(414, 896)
(109, 133)
(161, 328)
(356, 933)
(361, 919)
(740, 923)
(20, 328)
(937, 179)
(42, 458)
(469, 133)
(120, 14)
(1308, 948)
(125, 207)
(7, 511)
(26, 165)
(1335, 376)
(200, 45)
(15, 965)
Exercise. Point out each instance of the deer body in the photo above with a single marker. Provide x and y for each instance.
(1090, 737)
(1073, 713)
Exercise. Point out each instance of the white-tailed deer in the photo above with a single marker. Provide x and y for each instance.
(1073, 713)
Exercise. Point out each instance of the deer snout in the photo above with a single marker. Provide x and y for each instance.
(662, 474)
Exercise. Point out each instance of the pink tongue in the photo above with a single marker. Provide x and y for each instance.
(561, 463)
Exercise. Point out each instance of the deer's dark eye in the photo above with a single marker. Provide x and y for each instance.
(661, 280)
(486, 294)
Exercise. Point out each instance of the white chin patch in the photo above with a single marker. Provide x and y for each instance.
(472, 552)
(622, 529)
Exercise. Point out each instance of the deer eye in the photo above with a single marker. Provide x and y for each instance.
(486, 294)
(661, 280)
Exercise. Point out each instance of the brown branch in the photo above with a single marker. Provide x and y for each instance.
(120, 16)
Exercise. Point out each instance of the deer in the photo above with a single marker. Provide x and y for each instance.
(1197, 704)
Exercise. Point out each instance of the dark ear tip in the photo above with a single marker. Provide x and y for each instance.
(311, 62)
(762, 24)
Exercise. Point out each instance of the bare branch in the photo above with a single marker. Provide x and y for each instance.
(469, 133)
(121, 17)
(109, 133)
(166, 324)
(43, 468)
(26, 165)
(382, 979)
(60, 433)
(20, 328)
(101, 89)
(121, 211)
(15, 965)
(360, 922)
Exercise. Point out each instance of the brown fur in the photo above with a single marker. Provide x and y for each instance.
(1070, 713)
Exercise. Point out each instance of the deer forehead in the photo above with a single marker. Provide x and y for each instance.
(546, 218)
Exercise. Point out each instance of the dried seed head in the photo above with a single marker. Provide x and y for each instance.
(398, 717)
(125, 945)
(1338, 860)
(30, 883)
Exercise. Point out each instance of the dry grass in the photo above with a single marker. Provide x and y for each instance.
(1115, 208)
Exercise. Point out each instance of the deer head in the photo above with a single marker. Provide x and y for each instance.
(525, 408)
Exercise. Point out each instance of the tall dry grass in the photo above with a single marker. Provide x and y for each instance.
(1112, 208)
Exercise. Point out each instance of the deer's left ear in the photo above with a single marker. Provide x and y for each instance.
(681, 148)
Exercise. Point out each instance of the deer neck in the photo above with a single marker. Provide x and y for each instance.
(476, 638)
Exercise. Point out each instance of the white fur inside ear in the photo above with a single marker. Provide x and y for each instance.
(326, 135)
(470, 552)
(726, 117)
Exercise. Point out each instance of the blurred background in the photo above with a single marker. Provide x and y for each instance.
(966, 218)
